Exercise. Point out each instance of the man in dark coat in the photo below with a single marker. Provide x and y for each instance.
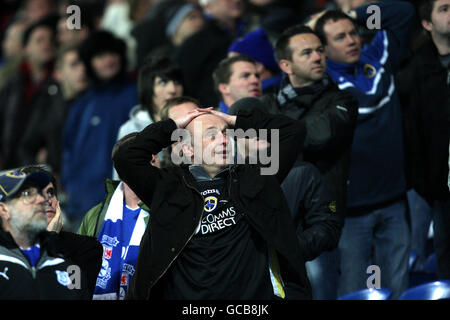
(27, 90)
(218, 231)
(41, 141)
(329, 115)
(424, 89)
(34, 263)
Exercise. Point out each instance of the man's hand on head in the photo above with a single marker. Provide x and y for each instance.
(229, 119)
(182, 122)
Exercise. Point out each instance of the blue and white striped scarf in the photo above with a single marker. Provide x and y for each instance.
(120, 237)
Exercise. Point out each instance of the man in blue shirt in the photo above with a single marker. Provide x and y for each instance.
(376, 231)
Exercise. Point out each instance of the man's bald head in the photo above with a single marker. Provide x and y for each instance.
(209, 145)
(206, 121)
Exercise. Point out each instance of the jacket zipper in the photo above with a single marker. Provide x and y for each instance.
(236, 201)
(31, 268)
(189, 239)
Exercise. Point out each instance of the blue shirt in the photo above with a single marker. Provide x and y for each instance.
(33, 254)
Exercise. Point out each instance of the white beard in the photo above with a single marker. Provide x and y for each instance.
(30, 228)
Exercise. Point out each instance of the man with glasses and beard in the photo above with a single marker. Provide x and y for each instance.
(35, 263)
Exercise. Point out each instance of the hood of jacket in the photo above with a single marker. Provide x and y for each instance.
(139, 119)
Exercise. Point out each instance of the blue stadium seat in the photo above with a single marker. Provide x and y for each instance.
(368, 294)
(437, 290)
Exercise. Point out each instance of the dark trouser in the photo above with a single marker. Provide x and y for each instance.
(295, 292)
(421, 217)
(441, 238)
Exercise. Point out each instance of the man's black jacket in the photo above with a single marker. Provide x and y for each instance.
(330, 117)
(425, 97)
(309, 202)
(49, 278)
(176, 206)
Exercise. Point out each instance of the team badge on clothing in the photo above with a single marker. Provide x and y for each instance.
(124, 279)
(104, 275)
(332, 206)
(63, 277)
(369, 71)
(210, 204)
(107, 252)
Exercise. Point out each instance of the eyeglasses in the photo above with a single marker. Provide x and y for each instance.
(29, 195)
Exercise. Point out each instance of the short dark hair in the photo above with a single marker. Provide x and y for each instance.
(40, 168)
(333, 15)
(222, 73)
(48, 22)
(160, 66)
(164, 112)
(425, 9)
(164, 115)
(122, 141)
(282, 49)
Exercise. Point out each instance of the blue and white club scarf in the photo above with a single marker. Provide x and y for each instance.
(120, 237)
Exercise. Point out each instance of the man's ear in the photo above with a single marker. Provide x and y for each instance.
(224, 89)
(5, 215)
(286, 66)
(427, 25)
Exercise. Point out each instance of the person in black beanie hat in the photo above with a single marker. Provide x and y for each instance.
(104, 56)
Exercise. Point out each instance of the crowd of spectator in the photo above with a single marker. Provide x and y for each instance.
(79, 79)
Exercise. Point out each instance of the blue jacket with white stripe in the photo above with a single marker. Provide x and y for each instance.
(377, 157)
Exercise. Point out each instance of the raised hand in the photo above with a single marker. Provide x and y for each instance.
(182, 122)
(56, 223)
(229, 119)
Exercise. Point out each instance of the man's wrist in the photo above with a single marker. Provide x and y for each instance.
(232, 121)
